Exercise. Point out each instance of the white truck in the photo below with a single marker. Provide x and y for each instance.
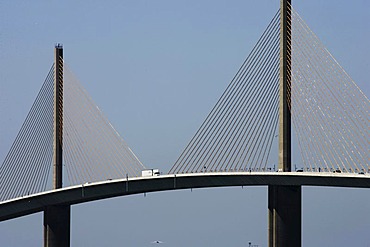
(150, 173)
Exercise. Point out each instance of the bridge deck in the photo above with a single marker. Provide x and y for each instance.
(120, 187)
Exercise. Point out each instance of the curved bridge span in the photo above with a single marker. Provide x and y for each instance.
(121, 187)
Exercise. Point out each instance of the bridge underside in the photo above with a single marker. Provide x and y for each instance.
(121, 187)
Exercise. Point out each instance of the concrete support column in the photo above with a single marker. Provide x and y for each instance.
(57, 218)
(57, 226)
(284, 209)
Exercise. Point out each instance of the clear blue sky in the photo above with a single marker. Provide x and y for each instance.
(156, 68)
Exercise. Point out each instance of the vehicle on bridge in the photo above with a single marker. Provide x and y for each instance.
(150, 173)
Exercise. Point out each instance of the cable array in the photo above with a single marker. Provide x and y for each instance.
(237, 134)
(330, 113)
(25, 169)
(93, 150)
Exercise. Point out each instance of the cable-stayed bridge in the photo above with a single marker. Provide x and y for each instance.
(232, 147)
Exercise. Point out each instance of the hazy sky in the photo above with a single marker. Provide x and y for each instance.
(156, 68)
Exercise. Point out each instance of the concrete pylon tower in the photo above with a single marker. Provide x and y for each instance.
(57, 217)
(284, 202)
(58, 118)
(284, 87)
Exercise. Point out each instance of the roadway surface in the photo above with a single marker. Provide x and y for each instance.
(128, 186)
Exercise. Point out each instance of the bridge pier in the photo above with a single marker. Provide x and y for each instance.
(284, 216)
(57, 226)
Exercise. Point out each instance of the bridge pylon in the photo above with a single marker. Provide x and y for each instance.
(57, 217)
(284, 202)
